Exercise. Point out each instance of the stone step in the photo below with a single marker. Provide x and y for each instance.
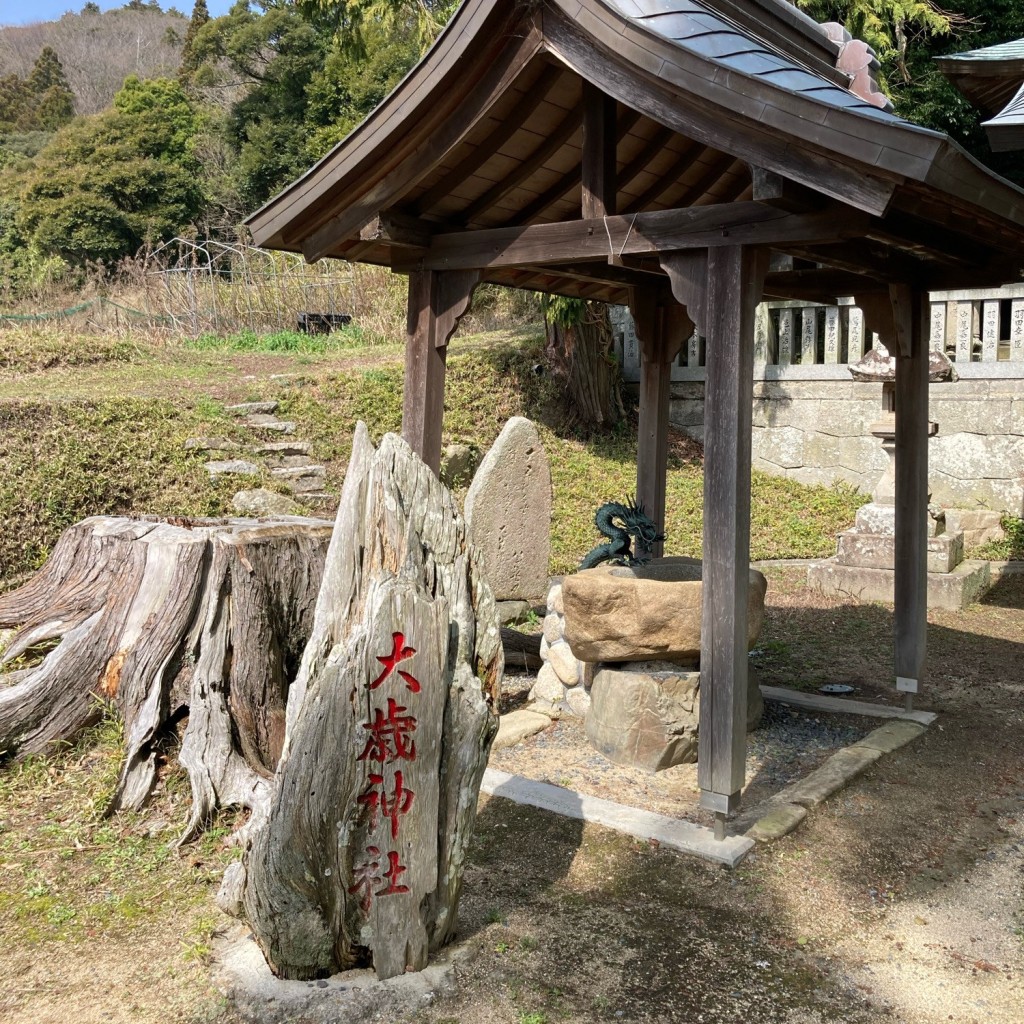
(267, 422)
(952, 591)
(321, 501)
(210, 444)
(232, 467)
(282, 448)
(261, 502)
(290, 462)
(878, 551)
(298, 472)
(249, 408)
(302, 479)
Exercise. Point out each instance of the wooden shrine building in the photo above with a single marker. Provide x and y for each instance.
(687, 158)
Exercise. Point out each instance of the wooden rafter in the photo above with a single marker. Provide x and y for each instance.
(569, 181)
(683, 162)
(535, 94)
(568, 127)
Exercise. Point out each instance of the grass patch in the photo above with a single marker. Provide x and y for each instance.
(31, 349)
(347, 337)
(71, 875)
(64, 462)
(1011, 547)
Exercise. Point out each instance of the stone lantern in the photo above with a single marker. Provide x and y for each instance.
(865, 555)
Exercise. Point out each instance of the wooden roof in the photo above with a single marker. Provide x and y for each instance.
(726, 119)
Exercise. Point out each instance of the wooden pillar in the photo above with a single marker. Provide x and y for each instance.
(437, 301)
(910, 320)
(661, 331)
(734, 278)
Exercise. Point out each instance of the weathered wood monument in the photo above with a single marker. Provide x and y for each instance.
(686, 158)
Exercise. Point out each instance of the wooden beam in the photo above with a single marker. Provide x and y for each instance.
(733, 291)
(396, 228)
(436, 303)
(599, 146)
(484, 150)
(724, 224)
(910, 319)
(824, 285)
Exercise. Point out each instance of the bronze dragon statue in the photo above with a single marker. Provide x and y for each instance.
(622, 524)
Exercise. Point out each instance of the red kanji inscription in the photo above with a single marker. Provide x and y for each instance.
(385, 805)
(399, 652)
(366, 877)
(392, 874)
(390, 735)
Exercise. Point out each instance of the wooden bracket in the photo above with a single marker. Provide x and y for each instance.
(452, 295)
(878, 314)
(688, 275)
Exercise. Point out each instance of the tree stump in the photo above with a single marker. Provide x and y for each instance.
(389, 724)
(160, 617)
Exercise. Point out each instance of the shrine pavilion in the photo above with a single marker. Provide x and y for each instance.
(686, 158)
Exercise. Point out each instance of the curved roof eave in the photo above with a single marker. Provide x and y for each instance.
(809, 123)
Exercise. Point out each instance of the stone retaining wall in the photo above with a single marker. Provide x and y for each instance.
(816, 432)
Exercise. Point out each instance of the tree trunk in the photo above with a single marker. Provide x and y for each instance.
(156, 616)
(581, 353)
(375, 796)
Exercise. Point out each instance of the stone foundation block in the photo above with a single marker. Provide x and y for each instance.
(878, 551)
(645, 715)
(951, 591)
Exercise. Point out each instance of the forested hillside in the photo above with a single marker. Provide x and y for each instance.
(126, 128)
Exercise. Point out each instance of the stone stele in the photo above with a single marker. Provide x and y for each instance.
(644, 613)
(508, 513)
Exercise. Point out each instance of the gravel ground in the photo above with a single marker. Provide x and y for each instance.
(786, 746)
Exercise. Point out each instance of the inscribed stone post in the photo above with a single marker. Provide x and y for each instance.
(508, 513)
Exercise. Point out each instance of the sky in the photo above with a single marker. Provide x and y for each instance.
(21, 12)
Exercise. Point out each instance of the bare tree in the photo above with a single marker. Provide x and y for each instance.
(98, 51)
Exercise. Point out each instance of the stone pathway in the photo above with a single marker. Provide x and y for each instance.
(288, 462)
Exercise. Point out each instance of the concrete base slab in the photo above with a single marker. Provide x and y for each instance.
(517, 726)
(678, 835)
(951, 591)
(819, 702)
(891, 736)
(242, 975)
(835, 773)
(778, 822)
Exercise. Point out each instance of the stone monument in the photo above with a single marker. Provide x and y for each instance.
(865, 555)
(508, 518)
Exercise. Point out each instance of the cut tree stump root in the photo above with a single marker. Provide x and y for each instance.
(156, 617)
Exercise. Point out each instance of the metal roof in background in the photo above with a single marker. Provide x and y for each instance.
(705, 32)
